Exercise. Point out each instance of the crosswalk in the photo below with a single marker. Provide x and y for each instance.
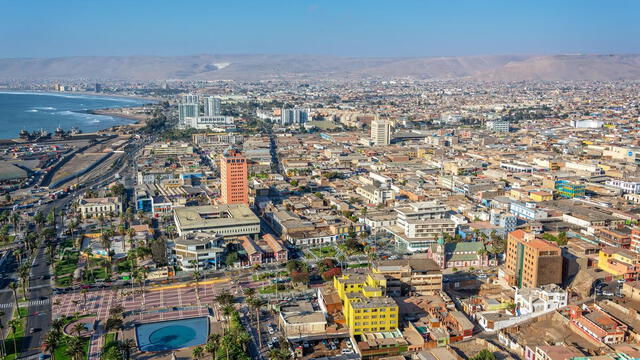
(30, 303)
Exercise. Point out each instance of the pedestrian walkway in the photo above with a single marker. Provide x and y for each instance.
(96, 343)
(30, 303)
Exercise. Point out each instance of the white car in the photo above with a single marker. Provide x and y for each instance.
(347, 351)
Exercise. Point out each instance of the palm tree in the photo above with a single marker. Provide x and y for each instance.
(130, 233)
(84, 296)
(78, 328)
(249, 292)
(24, 278)
(57, 324)
(198, 352)
(15, 219)
(19, 252)
(51, 342)
(196, 278)
(211, 347)
(128, 346)
(14, 286)
(14, 324)
(38, 218)
(75, 348)
(257, 304)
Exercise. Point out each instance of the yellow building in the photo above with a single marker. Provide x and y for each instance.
(619, 262)
(366, 307)
(540, 196)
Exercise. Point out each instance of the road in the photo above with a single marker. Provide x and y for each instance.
(39, 312)
(7, 270)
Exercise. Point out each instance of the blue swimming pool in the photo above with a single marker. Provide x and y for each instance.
(173, 334)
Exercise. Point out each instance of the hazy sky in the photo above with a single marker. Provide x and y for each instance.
(39, 28)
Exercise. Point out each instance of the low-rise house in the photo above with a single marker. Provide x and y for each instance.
(539, 300)
(593, 322)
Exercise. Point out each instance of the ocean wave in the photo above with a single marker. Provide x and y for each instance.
(81, 96)
(31, 110)
(45, 108)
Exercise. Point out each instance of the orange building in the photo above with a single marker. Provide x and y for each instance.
(234, 181)
(531, 262)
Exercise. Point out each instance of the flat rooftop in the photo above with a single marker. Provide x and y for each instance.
(212, 216)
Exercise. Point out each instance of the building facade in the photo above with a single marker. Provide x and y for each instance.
(381, 132)
(234, 182)
(531, 262)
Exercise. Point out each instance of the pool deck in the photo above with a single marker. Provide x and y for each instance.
(157, 304)
(130, 333)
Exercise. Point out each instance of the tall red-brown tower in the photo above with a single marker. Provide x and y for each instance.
(234, 181)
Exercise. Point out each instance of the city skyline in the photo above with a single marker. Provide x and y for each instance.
(353, 29)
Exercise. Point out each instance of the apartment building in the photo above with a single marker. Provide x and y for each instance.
(380, 132)
(417, 277)
(619, 262)
(366, 308)
(531, 262)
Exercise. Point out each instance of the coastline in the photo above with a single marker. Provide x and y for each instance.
(78, 94)
(123, 112)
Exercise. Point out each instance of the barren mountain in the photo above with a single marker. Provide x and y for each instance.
(256, 67)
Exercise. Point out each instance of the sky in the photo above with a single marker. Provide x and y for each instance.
(349, 28)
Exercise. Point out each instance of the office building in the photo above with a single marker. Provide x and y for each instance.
(234, 182)
(212, 106)
(531, 262)
(197, 251)
(227, 220)
(381, 132)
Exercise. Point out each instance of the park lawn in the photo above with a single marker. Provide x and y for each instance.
(18, 335)
(64, 281)
(68, 264)
(271, 289)
(362, 265)
(61, 351)
(325, 251)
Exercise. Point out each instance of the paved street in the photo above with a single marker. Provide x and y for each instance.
(39, 308)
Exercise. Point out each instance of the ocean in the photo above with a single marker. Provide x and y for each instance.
(35, 111)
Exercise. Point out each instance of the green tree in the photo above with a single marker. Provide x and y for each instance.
(484, 354)
(198, 352)
(14, 324)
(75, 348)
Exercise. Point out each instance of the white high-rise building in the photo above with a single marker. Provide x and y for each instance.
(381, 132)
(212, 106)
(188, 110)
(294, 116)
